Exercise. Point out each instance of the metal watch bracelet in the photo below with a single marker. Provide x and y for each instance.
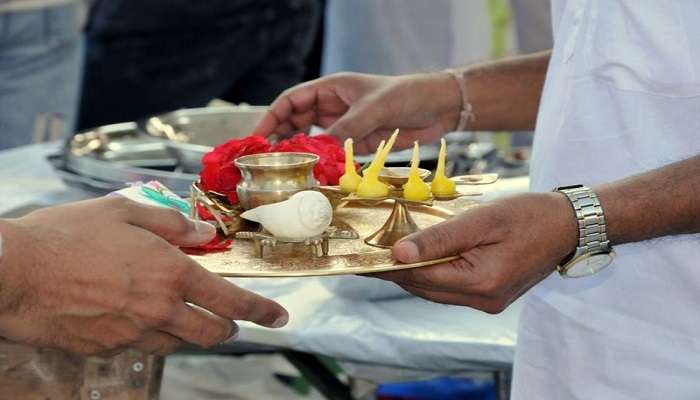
(592, 230)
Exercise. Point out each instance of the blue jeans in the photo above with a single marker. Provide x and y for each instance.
(41, 54)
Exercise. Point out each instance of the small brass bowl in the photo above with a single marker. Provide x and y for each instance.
(273, 177)
(398, 176)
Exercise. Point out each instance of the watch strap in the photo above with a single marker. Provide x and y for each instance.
(590, 219)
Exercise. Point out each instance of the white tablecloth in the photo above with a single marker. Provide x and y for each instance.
(406, 332)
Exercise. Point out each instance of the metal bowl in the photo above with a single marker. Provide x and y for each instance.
(273, 177)
(118, 154)
(398, 176)
(191, 133)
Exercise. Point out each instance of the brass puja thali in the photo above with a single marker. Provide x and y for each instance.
(345, 257)
(309, 230)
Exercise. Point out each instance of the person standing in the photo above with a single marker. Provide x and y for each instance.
(615, 177)
(146, 57)
(41, 53)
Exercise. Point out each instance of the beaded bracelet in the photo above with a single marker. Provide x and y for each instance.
(466, 115)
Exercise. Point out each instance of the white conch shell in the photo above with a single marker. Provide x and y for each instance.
(304, 215)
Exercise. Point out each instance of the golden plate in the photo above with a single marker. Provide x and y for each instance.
(345, 257)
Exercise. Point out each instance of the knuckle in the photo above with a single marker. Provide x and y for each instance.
(213, 334)
(179, 275)
(162, 314)
(245, 306)
(180, 224)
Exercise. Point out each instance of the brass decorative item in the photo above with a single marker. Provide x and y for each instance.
(351, 256)
(273, 177)
(318, 245)
(400, 222)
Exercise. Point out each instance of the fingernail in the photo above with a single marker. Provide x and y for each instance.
(407, 251)
(280, 322)
(235, 331)
(204, 228)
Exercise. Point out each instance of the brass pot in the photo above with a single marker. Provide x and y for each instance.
(273, 177)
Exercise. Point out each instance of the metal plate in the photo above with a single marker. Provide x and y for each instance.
(118, 154)
(191, 133)
(346, 256)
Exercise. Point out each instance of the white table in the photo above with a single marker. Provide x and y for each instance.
(387, 337)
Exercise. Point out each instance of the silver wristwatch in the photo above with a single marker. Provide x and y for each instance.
(593, 251)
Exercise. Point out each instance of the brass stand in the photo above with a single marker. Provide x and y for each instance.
(400, 224)
(319, 245)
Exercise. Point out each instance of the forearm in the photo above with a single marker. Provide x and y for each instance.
(661, 202)
(505, 94)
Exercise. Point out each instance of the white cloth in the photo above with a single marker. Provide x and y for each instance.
(622, 96)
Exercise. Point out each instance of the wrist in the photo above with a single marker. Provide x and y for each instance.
(448, 99)
(566, 225)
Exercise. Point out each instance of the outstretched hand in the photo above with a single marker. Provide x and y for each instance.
(100, 276)
(368, 108)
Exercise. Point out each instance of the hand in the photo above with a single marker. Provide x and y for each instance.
(368, 108)
(505, 248)
(100, 276)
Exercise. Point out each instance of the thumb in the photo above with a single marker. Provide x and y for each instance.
(170, 224)
(358, 122)
(446, 239)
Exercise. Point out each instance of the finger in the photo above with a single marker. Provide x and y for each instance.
(445, 239)
(159, 343)
(361, 120)
(227, 300)
(267, 126)
(169, 224)
(324, 121)
(303, 121)
(198, 326)
(299, 99)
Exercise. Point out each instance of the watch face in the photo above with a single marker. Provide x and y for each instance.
(589, 265)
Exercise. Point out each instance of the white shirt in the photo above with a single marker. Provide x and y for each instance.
(622, 96)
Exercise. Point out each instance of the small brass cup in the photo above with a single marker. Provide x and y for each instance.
(273, 177)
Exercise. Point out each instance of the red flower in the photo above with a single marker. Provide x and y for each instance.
(219, 174)
(331, 163)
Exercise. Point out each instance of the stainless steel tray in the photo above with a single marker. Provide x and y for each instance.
(190, 133)
(120, 153)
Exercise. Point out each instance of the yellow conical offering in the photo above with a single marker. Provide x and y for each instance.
(442, 185)
(351, 179)
(370, 186)
(415, 189)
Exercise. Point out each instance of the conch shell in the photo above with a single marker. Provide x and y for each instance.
(306, 214)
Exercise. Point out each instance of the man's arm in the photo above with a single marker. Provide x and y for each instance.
(508, 245)
(504, 95)
(661, 202)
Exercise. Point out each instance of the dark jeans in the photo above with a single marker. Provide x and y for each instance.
(151, 56)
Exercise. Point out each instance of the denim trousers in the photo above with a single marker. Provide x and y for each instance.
(41, 53)
(145, 57)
